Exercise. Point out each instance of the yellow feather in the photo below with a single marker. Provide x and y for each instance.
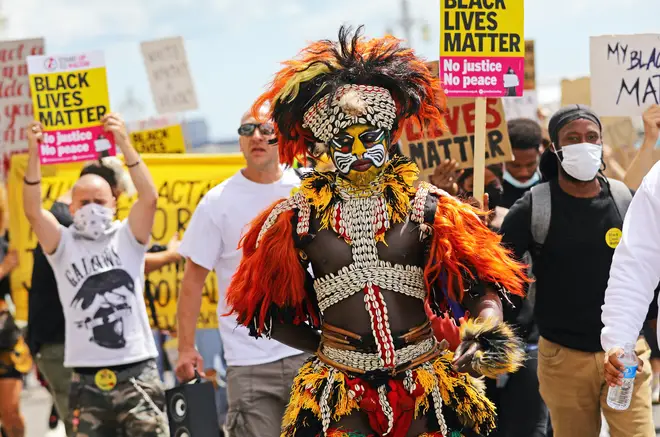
(292, 87)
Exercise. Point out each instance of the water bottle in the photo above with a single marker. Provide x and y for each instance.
(619, 396)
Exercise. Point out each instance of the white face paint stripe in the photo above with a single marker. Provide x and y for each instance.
(376, 154)
(343, 161)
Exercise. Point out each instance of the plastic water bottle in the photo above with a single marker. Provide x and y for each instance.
(619, 397)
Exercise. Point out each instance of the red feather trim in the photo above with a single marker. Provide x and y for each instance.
(461, 241)
(269, 274)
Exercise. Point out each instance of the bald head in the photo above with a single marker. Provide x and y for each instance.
(91, 188)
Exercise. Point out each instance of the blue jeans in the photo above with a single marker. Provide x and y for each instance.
(160, 359)
(209, 346)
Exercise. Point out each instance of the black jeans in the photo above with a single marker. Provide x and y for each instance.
(520, 410)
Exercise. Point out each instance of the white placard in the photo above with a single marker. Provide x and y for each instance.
(523, 107)
(625, 73)
(171, 83)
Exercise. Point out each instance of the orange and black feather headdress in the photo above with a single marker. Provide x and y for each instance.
(325, 66)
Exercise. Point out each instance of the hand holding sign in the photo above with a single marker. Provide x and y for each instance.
(35, 136)
(114, 124)
(651, 119)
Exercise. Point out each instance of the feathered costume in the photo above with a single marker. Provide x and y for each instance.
(392, 377)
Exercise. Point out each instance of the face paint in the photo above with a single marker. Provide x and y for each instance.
(359, 152)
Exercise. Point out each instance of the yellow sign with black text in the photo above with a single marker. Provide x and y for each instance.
(167, 139)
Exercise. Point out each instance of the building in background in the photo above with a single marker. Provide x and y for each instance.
(196, 133)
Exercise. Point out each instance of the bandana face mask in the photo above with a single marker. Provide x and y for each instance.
(92, 220)
(360, 152)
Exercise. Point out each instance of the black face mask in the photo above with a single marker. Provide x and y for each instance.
(494, 191)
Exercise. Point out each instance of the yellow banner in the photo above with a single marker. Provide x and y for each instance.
(181, 180)
(168, 139)
(70, 100)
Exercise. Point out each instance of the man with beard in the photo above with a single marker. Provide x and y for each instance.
(571, 265)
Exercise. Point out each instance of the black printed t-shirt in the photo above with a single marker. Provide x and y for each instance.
(573, 267)
(45, 315)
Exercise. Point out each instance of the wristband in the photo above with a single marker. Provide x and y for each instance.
(37, 182)
(135, 164)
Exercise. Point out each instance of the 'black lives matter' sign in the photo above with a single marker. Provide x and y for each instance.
(625, 73)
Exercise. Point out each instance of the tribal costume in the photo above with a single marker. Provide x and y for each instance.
(380, 249)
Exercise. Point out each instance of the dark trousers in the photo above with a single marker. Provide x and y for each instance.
(520, 409)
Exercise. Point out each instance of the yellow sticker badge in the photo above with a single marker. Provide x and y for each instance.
(105, 379)
(612, 237)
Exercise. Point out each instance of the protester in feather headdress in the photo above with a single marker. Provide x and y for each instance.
(380, 249)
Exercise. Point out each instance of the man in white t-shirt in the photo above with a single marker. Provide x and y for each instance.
(99, 268)
(260, 372)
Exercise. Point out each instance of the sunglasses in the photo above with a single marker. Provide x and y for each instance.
(247, 130)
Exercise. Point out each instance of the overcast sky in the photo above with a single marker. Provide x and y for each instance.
(234, 46)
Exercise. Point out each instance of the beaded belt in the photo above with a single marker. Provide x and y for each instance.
(333, 288)
(346, 351)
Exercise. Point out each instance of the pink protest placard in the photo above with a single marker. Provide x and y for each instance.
(482, 48)
(70, 98)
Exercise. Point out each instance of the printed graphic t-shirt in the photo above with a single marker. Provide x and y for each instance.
(100, 283)
(211, 241)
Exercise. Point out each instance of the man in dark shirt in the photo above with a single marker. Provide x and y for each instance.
(522, 173)
(572, 270)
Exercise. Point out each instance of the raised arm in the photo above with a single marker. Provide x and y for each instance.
(44, 224)
(141, 217)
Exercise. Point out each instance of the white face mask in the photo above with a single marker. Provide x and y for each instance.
(92, 220)
(522, 185)
(582, 161)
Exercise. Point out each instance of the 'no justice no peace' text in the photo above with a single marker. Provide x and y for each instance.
(468, 67)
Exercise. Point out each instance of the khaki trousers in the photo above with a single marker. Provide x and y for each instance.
(572, 384)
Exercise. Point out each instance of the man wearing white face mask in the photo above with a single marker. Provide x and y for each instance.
(99, 269)
(571, 226)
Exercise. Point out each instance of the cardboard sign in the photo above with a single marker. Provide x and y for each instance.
(530, 66)
(15, 102)
(430, 147)
(181, 181)
(617, 131)
(171, 83)
(625, 73)
(157, 135)
(70, 97)
(482, 47)
(525, 107)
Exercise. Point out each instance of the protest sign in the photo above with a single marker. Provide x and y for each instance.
(525, 107)
(530, 66)
(171, 83)
(617, 131)
(482, 47)
(15, 102)
(428, 148)
(181, 181)
(625, 73)
(157, 135)
(70, 98)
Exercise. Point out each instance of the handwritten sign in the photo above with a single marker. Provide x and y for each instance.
(482, 47)
(157, 135)
(530, 66)
(525, 107)
(15, 103)
(169, 75)
(70, 97)
(625, 73)
(617, 131)
(429, 147)
(181, 181)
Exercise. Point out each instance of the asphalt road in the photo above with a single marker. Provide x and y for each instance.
(36, 404)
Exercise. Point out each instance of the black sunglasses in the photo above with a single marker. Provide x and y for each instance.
(247, 130)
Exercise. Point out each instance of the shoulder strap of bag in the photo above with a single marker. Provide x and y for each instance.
(541, 212)
(621, 195)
